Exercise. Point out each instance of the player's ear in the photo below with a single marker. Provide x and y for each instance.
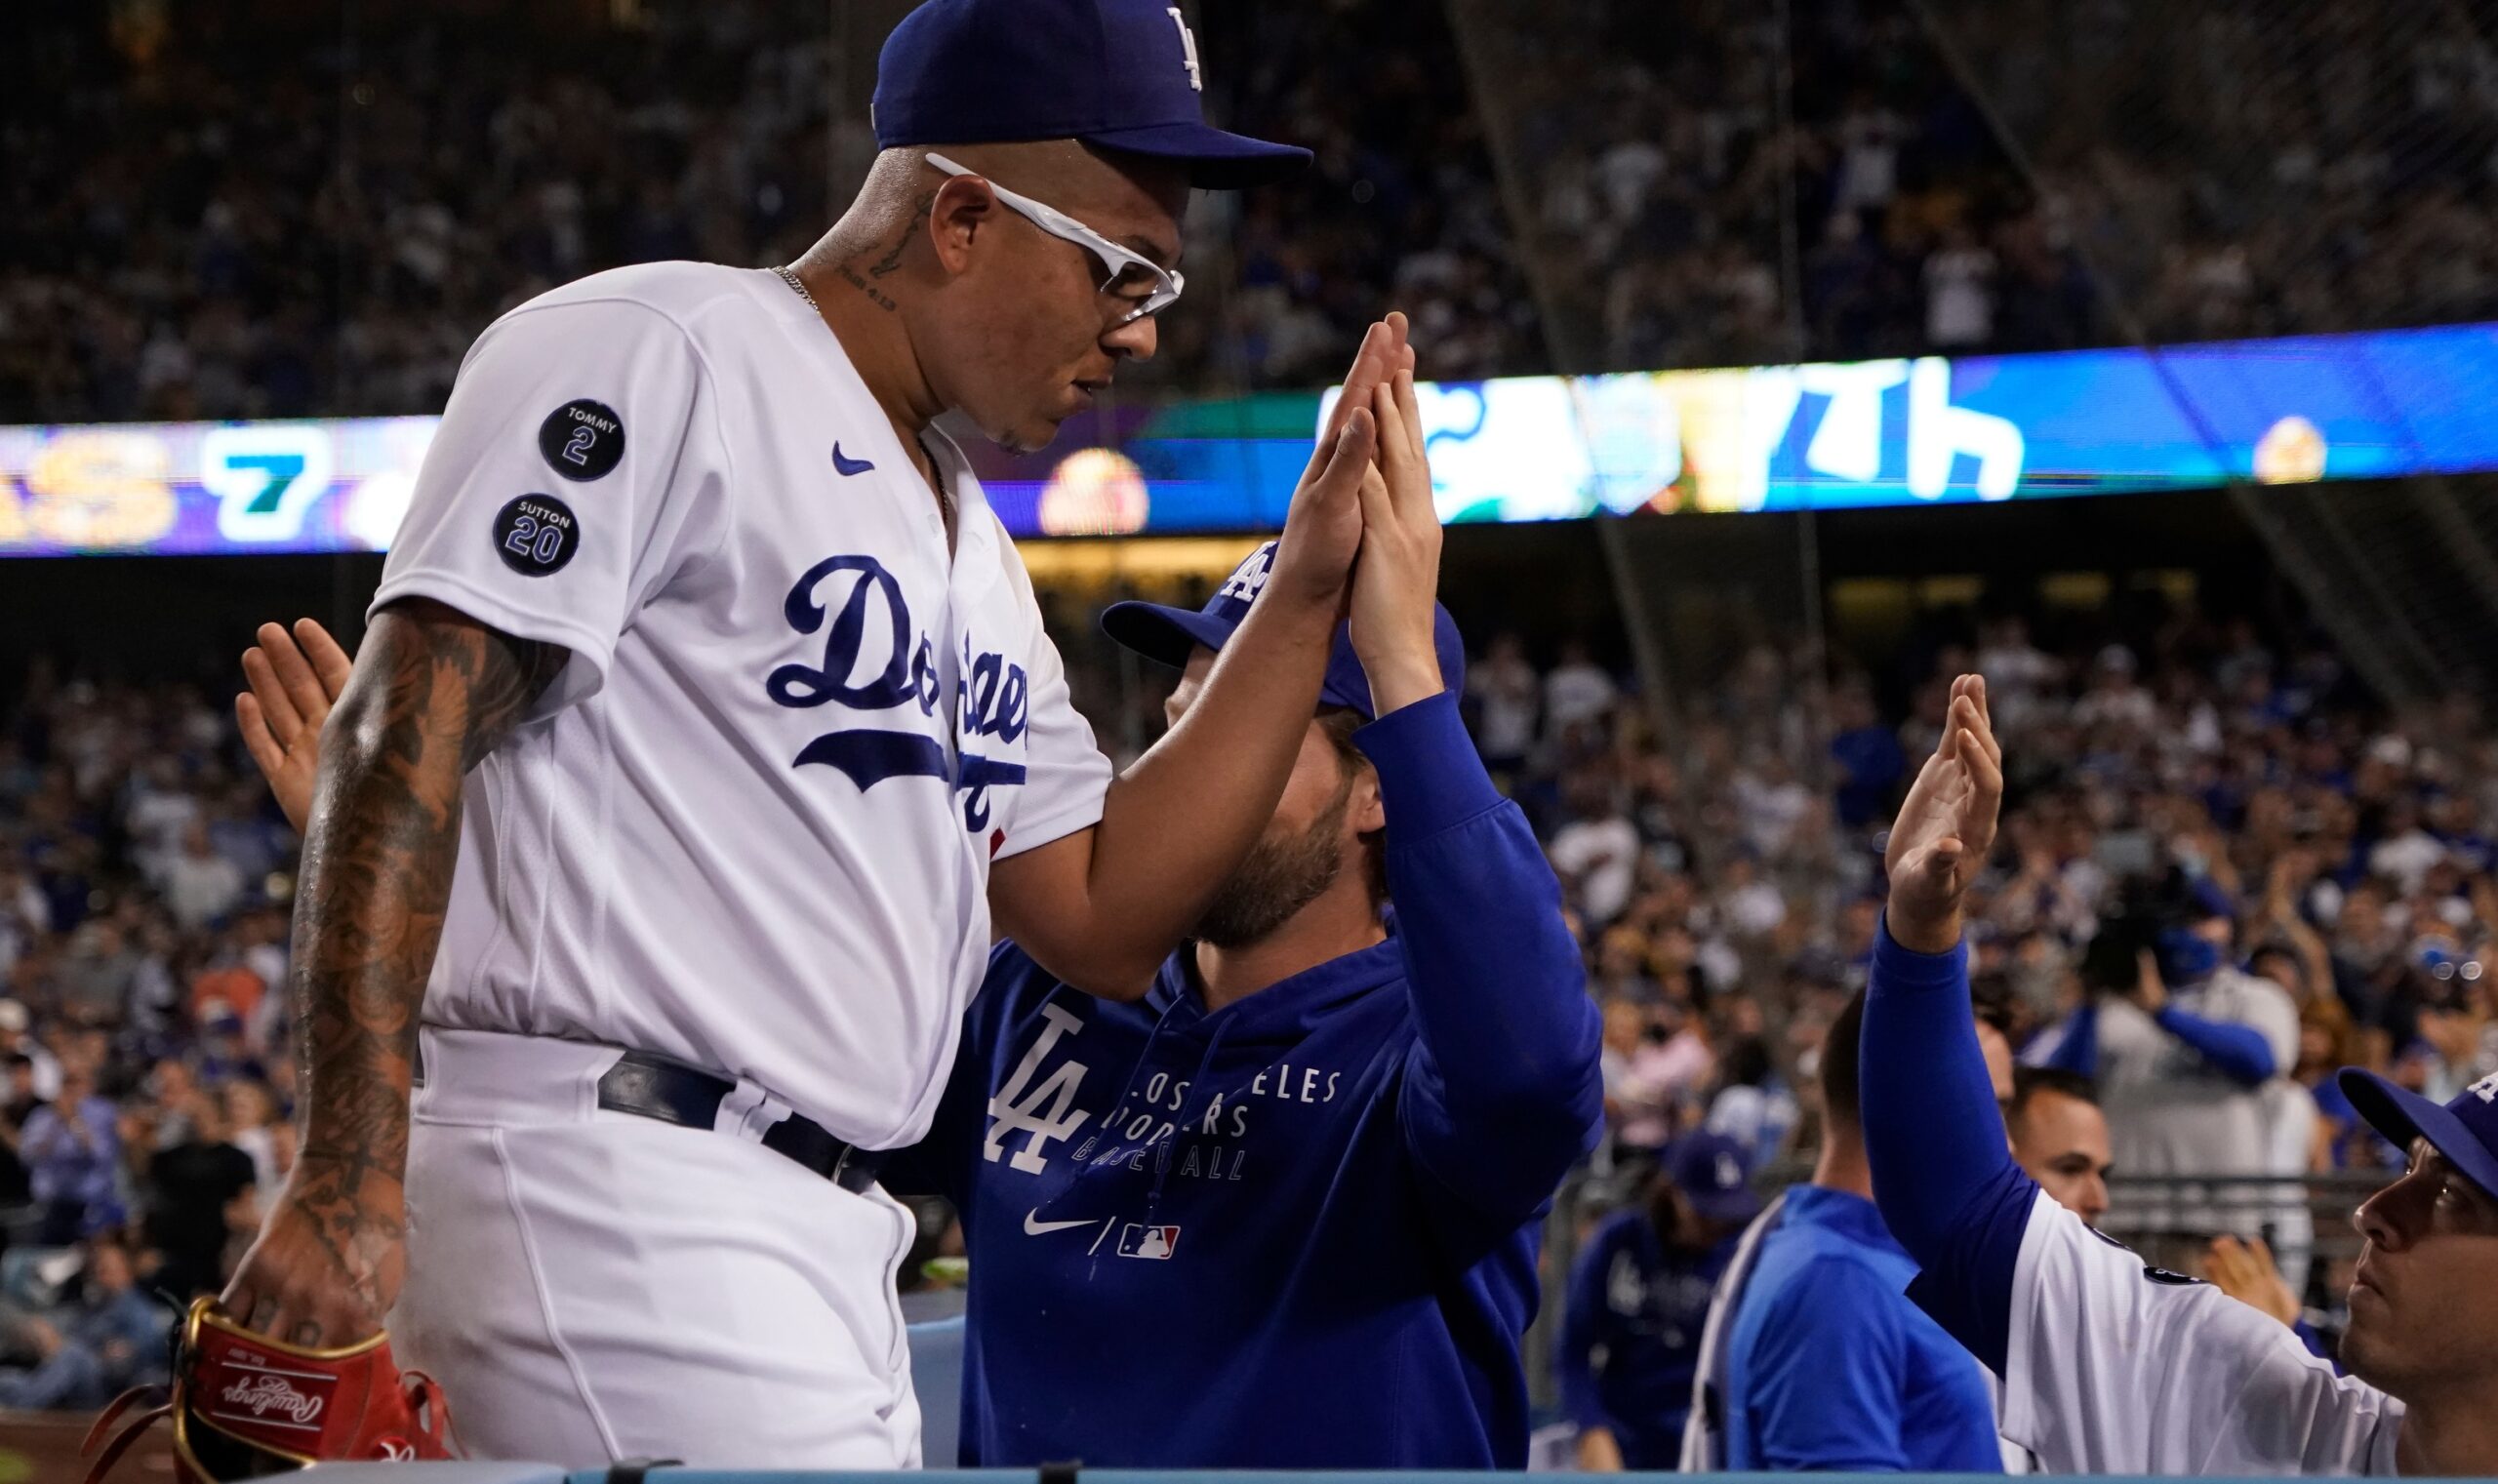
(1362, 808)
(960, 210)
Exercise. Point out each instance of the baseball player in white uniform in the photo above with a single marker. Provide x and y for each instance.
(706, 735)
(2110, 1365)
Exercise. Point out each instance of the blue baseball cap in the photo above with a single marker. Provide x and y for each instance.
(1168, 635)
(1122, 74)
(1711, 1172)
(2465, 1130)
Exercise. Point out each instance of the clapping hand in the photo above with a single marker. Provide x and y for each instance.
(1946, 825)
(1323, 526)
(1398, 577)
(293, 679)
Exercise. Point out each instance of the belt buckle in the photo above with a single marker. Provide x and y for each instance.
(841, 1164)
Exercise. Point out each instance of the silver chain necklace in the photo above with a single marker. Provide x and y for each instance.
(936, 470)
(789, 276)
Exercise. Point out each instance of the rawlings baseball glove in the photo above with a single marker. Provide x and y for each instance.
(244, 1406)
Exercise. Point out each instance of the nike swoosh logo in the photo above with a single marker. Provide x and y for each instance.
(843, 465)
(1034, 1225)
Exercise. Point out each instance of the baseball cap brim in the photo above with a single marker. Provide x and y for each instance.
(1216, 159)
(1165, 635)
(2403, 1115)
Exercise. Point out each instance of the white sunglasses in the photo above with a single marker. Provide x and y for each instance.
(1126, 275)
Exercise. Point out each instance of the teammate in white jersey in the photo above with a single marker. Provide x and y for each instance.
(2110, 1365)
(707, 734)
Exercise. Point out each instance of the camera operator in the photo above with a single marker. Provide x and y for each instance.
(2182, 1045)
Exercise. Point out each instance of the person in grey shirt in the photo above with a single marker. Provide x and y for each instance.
(2182, 1045)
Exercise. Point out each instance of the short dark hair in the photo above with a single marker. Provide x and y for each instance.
(1840, 1080)
(2027, 1082)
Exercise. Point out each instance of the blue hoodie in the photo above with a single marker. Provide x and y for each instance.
(1300, 1230)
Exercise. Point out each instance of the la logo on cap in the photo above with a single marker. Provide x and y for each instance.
(1188, 49)
(2487, 1089)
(1249, 579)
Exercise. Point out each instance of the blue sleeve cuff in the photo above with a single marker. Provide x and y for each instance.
(1429, 777)
(1918, 972)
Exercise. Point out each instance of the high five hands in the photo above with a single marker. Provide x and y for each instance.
(1946, 825)
(1363, 531)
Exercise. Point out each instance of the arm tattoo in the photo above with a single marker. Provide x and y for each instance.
(432, 692)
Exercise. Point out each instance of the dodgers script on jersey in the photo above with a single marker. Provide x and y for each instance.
(751, 824)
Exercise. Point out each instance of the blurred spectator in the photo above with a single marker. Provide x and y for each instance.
(1751, 1106)
(1508, 701)
(1576, 690)
(2182, 1045)
(71, 1149)
(252, 1117)
(200, 884)
(1639, 1297)
(200, 1201)
(107, 1339)
(1597, 853)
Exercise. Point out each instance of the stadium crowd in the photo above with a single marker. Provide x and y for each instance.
(2342, 857)
(213, 220)
(206, 223)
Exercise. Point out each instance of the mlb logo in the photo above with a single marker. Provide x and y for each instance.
(1141, 1241)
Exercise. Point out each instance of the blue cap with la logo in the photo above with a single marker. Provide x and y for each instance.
(1122, 74)
(2465, 1130)
(1159, 631)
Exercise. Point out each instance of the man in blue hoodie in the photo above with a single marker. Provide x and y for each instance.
(1285, 1210)
(1283, 1213)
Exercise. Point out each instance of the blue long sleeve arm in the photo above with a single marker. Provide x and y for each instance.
(1503, 1090)
(1943, 1173)
(2238, 1053)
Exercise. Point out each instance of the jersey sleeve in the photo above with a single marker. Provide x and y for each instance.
(561, 487)
(1065, 776)
(2116, 1367)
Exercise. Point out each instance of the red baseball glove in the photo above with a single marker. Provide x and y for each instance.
(244, 1406)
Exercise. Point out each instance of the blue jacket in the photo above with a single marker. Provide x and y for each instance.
(1300, 1230)
(1829, 1366)
(1642, 1304)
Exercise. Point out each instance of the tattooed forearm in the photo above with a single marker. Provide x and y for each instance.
(432, 692)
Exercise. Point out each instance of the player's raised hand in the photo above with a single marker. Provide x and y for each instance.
(1946, 825)
(1398, 577)
(1323, 527)
(293, 679)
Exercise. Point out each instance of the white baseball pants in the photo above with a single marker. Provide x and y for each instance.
(590, 1286)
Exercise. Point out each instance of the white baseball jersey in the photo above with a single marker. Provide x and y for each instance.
(749, 826)
(2115, 1367)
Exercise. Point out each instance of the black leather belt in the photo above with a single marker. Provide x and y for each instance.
(654, 1087)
